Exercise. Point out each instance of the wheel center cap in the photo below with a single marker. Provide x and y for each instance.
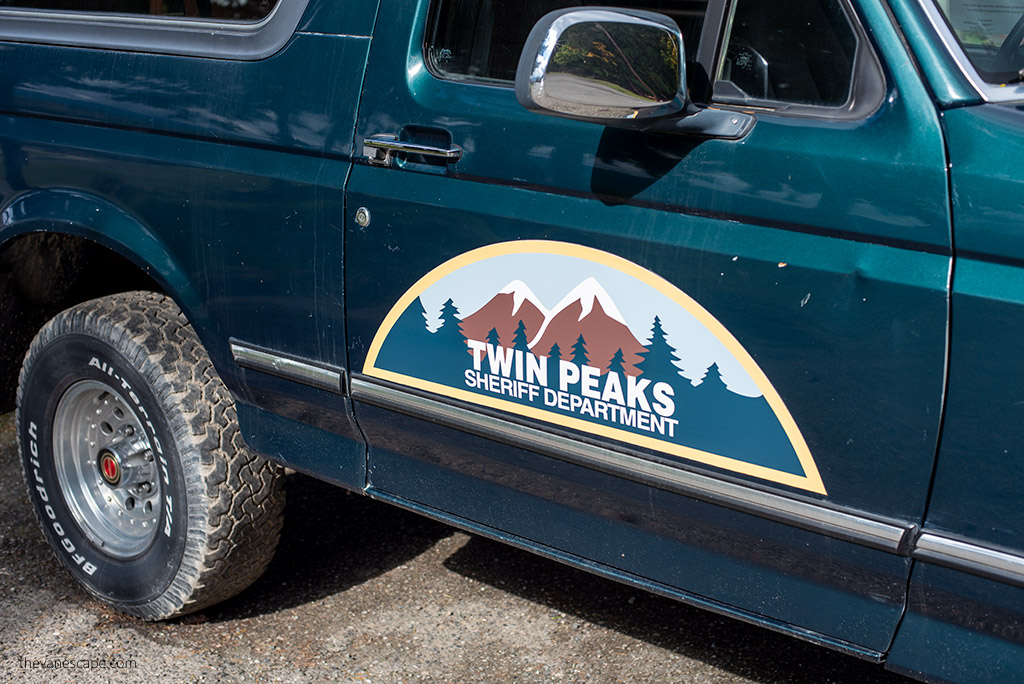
(110, 468)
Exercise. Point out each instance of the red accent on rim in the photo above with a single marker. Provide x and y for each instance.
(109, 467)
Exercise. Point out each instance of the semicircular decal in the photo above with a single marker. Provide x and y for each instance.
(584, 339)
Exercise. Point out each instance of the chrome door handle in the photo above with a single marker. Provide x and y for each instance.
(381, 148)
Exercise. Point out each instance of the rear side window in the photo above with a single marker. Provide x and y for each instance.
(483, 40)
(224, 10)
(218, 29)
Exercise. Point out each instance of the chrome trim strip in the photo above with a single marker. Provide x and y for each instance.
(125, 19)
(880, 535)
(973, 558)
(288, 368)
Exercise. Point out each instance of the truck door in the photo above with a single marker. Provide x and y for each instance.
(712, 366)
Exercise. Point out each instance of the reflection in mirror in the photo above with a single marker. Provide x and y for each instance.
(617, 67)
(618, 64)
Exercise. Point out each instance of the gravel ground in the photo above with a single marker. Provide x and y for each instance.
(361, 591)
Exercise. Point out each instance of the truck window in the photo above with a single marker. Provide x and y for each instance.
(227, 10)
(483, 40)
(990, 34)
(791, 51)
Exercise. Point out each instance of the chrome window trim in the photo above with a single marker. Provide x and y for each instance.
(248, 41)
(988, 91)
(886, 536)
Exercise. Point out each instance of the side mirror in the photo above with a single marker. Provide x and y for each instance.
(617, 67)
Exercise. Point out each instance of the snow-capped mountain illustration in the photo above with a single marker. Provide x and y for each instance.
(521, 292)
(587, 310)
(587, 293)
(513, 303)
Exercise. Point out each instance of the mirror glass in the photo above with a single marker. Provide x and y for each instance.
(615, 67)
(610, 64)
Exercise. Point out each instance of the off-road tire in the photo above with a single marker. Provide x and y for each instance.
(133, 360)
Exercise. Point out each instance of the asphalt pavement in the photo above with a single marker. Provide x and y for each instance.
(360, 591)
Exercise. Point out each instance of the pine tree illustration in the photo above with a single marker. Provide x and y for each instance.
(520, 341)
(451, 326)
(492, 337)
(579, 352)
(658, 361)
(713, 380)
(616, 365)
(555, 353)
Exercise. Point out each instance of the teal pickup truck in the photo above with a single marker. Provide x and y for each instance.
(719, 298)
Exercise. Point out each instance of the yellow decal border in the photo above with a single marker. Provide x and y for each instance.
(810, 481)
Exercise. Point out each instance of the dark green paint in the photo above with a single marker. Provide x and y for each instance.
(222, 180)
(749, 229)
(972, 626)
(824, 246)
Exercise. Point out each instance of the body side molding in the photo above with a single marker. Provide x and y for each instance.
(884, 535)
(304, 371)
(973, 558)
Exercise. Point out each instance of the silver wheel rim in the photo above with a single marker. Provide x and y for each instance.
(106, 469)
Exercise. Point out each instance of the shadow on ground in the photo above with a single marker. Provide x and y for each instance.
(746, 650)
(334, 540)
(335, 544)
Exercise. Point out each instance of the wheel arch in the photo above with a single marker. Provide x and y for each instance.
(60, 247)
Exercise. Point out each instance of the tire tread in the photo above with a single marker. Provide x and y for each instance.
(235, 497)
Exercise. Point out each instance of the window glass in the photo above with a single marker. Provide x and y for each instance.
(482, 39)
(225, 10)
(991, 34)
(791, 51)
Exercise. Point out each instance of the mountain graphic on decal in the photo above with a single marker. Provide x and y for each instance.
(587, 311)
(513, 303)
